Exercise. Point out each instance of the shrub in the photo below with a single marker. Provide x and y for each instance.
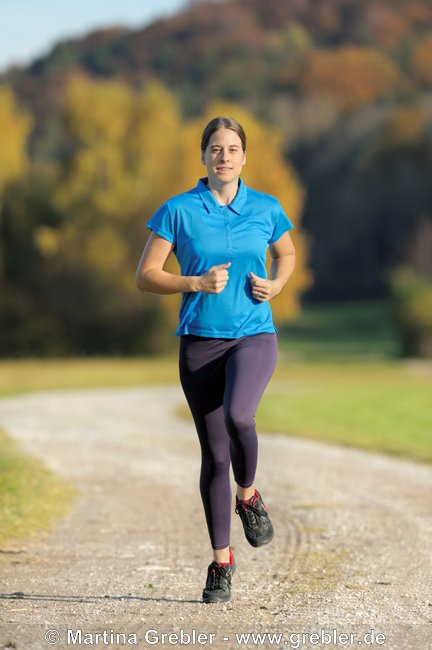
(411, 308)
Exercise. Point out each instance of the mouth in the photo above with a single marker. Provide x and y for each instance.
(223, 169)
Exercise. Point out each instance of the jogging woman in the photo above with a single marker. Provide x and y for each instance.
(219, 232)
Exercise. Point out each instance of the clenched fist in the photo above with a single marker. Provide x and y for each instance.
(215, 279)
(263, 289)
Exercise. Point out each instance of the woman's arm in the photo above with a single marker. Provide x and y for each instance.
(283, 260)
(151, 277)
(282, 266)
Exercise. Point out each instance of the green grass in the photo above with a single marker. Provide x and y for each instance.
(32, 498)
(341, 332)
(29, 375)
(379, 406)
(339, 380)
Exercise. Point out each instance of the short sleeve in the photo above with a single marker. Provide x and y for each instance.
(163, 223)
(281, 224)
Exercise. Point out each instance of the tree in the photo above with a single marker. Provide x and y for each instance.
(353, 76)
(15, 126)
(411, 303)
(110, 181)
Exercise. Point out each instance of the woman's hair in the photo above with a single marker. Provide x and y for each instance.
(222, 123)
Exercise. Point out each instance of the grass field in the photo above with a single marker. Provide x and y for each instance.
(380, 406)
(341, 332)
(29, 375)
(345, 385)
(337, 380)
(31, 497)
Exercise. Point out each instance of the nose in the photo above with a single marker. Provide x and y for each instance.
(224, 154)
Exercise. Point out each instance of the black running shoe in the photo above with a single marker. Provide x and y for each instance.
(256, 522)
(218, 585)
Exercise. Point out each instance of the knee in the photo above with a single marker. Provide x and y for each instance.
(239, 422)
(216, 465)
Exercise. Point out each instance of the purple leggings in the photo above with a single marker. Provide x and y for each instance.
(223, 381)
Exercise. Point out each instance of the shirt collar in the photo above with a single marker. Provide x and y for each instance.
(236, 205)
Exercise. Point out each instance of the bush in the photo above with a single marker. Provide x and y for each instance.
(411, 308)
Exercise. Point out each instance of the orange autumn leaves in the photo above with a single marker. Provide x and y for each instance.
(352, 76)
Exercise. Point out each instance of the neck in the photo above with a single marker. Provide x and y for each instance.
(224, 193)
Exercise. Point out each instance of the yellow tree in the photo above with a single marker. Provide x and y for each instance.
(120, 142)
(15, 126)
(152, 145)
(120, 146)
(96, 120)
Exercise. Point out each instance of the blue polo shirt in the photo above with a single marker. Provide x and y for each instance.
(205, 233)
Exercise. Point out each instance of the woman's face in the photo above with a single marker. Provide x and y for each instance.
(224, 157)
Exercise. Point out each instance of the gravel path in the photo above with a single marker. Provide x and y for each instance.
(351, 553)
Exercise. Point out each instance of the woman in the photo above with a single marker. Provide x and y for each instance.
(220, 232)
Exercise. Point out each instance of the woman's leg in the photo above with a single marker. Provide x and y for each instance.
(202, 376)
(249, 367)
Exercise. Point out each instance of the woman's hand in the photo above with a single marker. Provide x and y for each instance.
(215, 279)
(263, 289)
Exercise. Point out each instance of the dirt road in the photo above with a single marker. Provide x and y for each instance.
(351, 553)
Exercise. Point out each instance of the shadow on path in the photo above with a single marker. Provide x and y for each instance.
(20, 595)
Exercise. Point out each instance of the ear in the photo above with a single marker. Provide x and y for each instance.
(244, 159)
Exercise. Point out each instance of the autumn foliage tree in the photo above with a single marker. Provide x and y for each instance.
(14, 129)
(15, 125)
(353, 76)
(119, 146)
